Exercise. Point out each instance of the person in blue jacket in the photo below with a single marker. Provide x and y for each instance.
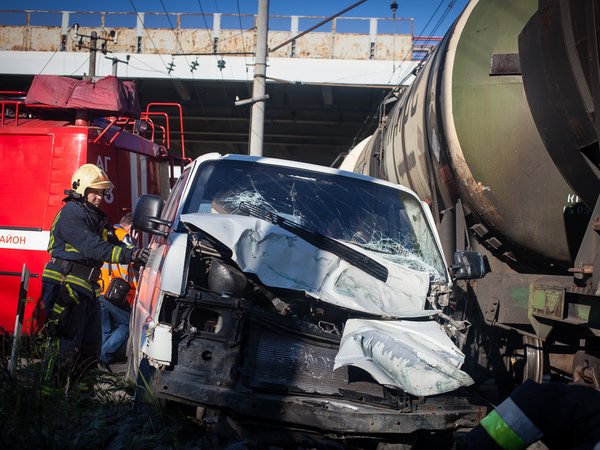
(116, 299)
(80, 241)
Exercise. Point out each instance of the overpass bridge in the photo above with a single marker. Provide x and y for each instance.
(324, 87)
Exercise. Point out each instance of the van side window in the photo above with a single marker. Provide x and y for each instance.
(170, 210)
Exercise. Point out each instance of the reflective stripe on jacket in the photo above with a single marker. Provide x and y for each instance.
(509, 427)
(77, 235)
(558, 414)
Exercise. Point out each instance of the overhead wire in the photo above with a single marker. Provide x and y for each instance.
(54, 54)
(50, 59)
(394, 8)
(233, 36)
(175, 33)
(413, 44)
(429, 36)
(243, 42)
(154, 45)
(440, 21)
(149, 67)
(205, 22)
(227, 106)
(371, 116)
(80, 66)
(150, 37)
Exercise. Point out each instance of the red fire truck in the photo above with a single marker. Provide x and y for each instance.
(45, 135)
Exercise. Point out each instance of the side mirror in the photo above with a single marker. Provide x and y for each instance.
(468, 265)
(146, 216)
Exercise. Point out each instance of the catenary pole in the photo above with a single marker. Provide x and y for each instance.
(257, 118)
(93, 49)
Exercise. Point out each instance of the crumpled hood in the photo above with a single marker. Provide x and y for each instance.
(416, 356)
(281, 259)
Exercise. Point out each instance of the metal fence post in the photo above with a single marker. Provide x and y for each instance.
(12, 364)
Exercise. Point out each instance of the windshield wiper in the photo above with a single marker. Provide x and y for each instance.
(356, 258)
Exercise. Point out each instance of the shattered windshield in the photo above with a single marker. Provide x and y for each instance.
(378, 218)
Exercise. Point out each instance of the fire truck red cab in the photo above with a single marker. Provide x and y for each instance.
(41, 145)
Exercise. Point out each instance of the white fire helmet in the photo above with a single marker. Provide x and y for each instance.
(90, 176)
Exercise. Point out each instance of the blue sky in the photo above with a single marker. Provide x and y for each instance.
(431, 17)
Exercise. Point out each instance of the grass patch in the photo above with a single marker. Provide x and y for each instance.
(93, 412)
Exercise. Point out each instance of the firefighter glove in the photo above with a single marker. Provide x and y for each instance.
(140, 256)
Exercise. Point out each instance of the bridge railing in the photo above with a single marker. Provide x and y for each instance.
(218, 33)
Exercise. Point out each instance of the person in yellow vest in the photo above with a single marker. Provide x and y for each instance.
(119, 283)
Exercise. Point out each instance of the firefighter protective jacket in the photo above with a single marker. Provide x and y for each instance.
(560, 415)
(79, 234)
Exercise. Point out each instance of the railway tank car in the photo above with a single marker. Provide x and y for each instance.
(499, 133)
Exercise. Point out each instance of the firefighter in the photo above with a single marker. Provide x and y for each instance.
(80, 241)
(562, 416)
(119, 283)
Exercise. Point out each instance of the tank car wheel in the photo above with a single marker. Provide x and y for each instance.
(534, 359)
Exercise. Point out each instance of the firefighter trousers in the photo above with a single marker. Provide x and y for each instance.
(79, 333)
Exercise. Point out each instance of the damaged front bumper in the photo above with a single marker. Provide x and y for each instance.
(230, 356)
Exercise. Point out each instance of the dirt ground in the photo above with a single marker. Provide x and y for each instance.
(98, 412)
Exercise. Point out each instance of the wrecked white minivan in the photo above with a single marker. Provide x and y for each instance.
(299, 300)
